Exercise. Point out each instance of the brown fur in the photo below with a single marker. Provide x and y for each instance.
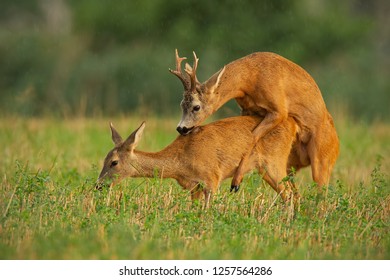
(206, 156)
(275, 88)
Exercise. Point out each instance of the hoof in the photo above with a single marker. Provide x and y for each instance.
(234, 188)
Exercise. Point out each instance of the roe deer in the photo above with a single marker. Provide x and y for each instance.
(201, 160)
(270, 86)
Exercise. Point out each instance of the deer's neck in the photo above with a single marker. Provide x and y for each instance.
(217, 95)
(215, 100)
(163, 164)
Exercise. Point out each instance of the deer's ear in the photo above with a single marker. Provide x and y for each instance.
(187, 68)
(212, 83)
(132, 141)
(116, 138)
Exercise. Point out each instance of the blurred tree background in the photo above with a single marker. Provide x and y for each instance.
(88, 58)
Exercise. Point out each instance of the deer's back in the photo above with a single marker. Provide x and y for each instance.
(212, 152)
(231, 137)
(227, 133)
(265, 76)
(216, 147)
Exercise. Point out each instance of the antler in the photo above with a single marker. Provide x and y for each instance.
(178, 72)
(192, 72)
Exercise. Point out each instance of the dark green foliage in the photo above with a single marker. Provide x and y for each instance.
(111, 58)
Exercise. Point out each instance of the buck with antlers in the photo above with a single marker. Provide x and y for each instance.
(270, 86)
(201, 160)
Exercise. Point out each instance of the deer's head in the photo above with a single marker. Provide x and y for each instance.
(121, 161)
(198, 101)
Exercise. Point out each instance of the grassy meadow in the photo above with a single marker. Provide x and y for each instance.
(50, 210)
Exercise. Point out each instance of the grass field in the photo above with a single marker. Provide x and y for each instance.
(49, 209)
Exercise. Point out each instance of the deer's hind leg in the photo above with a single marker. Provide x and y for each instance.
(270, 122)
(323, 150)
(274, 176)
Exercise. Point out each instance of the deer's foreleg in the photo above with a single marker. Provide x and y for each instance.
(270, 121)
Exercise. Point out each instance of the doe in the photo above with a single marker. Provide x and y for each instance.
(202, 159)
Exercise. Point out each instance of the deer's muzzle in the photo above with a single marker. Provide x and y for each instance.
(184, 130)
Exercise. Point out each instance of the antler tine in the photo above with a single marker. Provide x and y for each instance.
(178, 72)
(192, 72)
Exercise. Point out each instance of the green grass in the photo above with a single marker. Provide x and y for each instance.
(49, 209)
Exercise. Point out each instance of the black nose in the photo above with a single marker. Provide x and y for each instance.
(182, 130)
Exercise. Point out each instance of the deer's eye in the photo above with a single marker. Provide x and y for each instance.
(196, 108)
(114, 163)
